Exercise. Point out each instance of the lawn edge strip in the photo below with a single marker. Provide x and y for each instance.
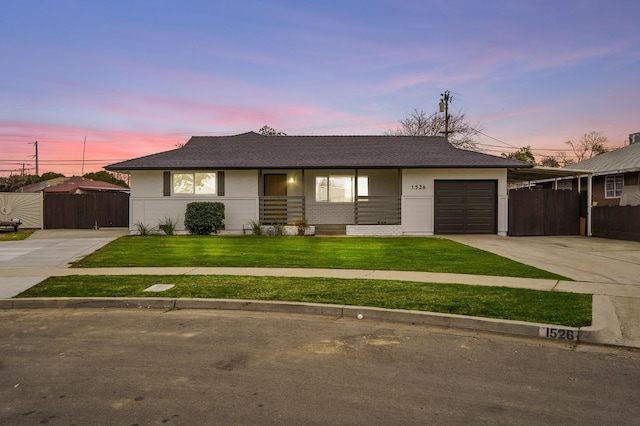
(501, 326)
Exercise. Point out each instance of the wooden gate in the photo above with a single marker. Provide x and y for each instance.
(86, 211)
(544, 212)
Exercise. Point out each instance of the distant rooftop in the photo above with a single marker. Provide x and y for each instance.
(621, 160)
(70, 185)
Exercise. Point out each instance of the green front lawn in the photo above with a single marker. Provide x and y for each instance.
(22, 234)
(398, 254)
(568, 309)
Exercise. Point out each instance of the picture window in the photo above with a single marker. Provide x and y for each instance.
(340, 189)
(194, 183)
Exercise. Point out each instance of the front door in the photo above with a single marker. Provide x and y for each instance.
(275, 198)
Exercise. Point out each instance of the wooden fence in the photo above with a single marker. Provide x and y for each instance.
(86, 211)
(544, 212)
(617, 222)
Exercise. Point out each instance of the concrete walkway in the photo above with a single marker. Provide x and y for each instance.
(609, 269)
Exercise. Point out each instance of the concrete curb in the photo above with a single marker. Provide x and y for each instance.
(605, 326)
(518, 328)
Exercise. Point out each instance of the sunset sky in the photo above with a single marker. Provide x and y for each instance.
(139, 77)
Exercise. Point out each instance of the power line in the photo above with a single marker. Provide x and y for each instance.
(496, 139)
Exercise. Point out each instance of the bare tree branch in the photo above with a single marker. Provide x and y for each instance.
(589, 145)
(419, 123)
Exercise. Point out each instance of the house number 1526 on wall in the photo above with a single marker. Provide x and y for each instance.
(419, 187)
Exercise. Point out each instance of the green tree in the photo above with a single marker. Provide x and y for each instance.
(270, 131)
(105, 176)
(521, 154)
(550, 161)
(50, 175)
(14, 182)
(419, 123)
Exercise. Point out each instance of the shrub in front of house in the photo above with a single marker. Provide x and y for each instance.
(203, 218)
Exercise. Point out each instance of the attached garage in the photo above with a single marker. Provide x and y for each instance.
(465, 206)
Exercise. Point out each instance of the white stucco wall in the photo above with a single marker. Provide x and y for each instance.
(150, 207)
(418, 192)
(242, 188)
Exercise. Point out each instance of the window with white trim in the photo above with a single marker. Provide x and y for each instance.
(194, 183)
(613, 186)
(340, 189)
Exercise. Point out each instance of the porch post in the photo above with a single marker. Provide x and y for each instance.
(589, 203)
(400, 193)
(579, 182)
(355, 199)
(260, 195)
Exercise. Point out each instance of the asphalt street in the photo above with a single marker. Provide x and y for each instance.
(146, 367)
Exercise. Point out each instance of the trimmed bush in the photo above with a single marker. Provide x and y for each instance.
(203, 218)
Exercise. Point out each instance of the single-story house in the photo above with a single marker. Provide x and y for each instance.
(368, 185)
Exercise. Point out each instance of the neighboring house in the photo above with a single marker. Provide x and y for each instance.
(72, 185)
(369, 185)
(615, 195)
(79, 203)
(615, 178)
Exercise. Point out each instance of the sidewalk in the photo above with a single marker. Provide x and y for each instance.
(616, 308)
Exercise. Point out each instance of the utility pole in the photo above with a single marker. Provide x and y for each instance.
(84, 147)
(444, 107)
(36, 157)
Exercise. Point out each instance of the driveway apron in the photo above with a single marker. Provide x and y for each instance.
(609, 268)
(55, 248)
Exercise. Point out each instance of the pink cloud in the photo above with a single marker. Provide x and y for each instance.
(60, 147)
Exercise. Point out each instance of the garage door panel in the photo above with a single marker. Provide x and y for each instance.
(478, 229)
(465, 207)
(477, 184)
(452, 228)
(450, 200)
(479, 214)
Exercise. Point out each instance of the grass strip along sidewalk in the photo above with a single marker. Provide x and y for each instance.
(547, 307)
(403, 253)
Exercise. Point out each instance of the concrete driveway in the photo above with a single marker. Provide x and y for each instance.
(51, 248)
(55, 248)
(610, 269)
(585, 259)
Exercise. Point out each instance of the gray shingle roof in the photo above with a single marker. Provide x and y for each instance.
(254, 151)
(621, 160)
